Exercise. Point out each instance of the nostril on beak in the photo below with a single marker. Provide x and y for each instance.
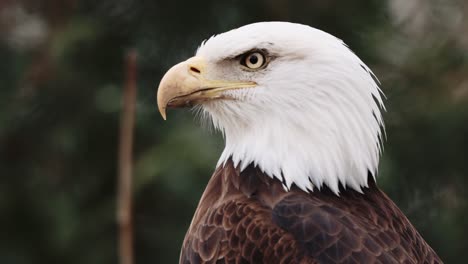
(195, 70)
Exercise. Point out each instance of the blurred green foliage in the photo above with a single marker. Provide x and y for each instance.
(61, 79)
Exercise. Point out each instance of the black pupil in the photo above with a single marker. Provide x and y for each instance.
(253, 59)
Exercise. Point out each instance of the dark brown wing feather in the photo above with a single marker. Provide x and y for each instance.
(248, 218)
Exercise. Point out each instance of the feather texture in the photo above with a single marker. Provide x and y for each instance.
(247, 217)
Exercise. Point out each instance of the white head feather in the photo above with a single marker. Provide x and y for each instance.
(313, 119)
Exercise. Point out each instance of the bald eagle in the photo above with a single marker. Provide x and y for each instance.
(300, 114)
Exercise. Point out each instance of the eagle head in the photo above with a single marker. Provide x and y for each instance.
(291, 99)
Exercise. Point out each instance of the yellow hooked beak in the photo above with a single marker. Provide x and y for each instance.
(185, 85)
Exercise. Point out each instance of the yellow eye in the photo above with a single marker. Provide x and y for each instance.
(254, 60)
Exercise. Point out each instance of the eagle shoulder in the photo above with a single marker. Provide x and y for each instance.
(351, 228)
(237, 232)
(247, 217)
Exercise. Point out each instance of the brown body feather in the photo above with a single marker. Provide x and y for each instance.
(249, 218)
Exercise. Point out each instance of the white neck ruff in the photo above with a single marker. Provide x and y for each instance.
(314, 119)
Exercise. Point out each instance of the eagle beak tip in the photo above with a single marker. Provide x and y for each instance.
(163, 113)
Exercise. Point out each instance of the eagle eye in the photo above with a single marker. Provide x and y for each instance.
(254, 60)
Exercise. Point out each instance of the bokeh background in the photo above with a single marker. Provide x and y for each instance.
(61, 79)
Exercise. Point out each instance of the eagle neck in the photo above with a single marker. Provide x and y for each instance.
(310, 156)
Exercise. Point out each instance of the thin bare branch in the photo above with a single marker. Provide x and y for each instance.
(124, 200)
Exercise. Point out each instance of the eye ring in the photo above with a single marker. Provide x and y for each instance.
(254, 60)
